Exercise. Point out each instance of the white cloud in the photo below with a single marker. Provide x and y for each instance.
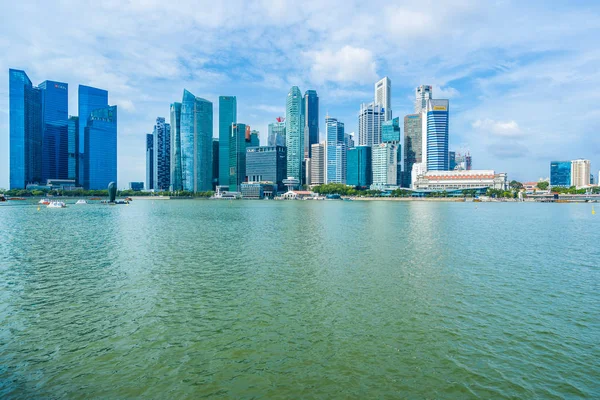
(346, 65)
(279, 110)
(498, 128)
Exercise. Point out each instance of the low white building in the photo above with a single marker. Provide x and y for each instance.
(457, 180)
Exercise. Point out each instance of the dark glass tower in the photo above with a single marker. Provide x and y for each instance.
(73, 142)
(176, 183)
(90, 99)
(237, 156)
(227, 116)
(311, 121)
(55, 114)
(149, 161)
(413, 145)
(100, 138)
(162, 155)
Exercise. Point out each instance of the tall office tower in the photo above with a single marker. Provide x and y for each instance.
(227, 116)
(422, 94)
(311, 121)
(90, 99)
(254, 138)
(349, 140)
(277, 132)
(335, 151)
(72, 145)
(468, 162)
(413, 145)
(294, 133)
(55, 115)
(390, 130)
(237, 156)
(435, 130)
(100, 138)
(149, 161)
(560, 173)
(385, 164)
(359, 167)
(162, 155)
(25, 116)
(175, 119)
(267, 164)
(383, 97)
(370, 119)
(452, 160)
(215, 163)
(580, 173)
(317, 164)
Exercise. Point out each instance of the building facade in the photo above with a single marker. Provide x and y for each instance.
(390, 130)
(136, 186)
(89, 99)
(317, 164)
(383, 97)
(254, 138)
(162, 155)
(459, 180)
(359, 166)
(55, 142)
(370, 118)
(385, 164)
(451, 160)
(335, 151)
(149, 161)
(422, 95)
(413, 145)
(237, 156)
(435, 146)
(311, 121)
(560, 173)
(277, 133)
(73, 144)
(267, 164)
(175, 124)
(100, 149)
(227, 116)
(215, 163)
(294, 132)
(580, 173)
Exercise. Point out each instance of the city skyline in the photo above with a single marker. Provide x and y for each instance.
(513, 100)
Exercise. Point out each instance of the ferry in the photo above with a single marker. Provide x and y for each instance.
(56, 204)
(44, 202)
(17, 198)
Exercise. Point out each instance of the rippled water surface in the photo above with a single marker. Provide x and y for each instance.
(250, 299)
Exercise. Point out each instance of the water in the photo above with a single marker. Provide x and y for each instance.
(249, 299)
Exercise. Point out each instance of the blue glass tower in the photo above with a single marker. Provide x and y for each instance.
(100, 138)
(55, 114)
(294, 133)
(560, 173)
(311, 121)
(227, 116)
(359, 167)
(25, 117)
(237, 156)
(90, 99)
(390, 130)
(73, 142)
(437, 135)
(176, 183)
(149, 161)
(335, 162)
(162, 154)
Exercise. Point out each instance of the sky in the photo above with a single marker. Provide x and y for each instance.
(522, 78)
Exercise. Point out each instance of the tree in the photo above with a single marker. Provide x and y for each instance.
(543, 185)
(515, 185)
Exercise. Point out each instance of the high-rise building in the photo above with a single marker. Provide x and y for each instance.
(254, 138)
(580, 173)
(383, 97)
(370, 118)
(196, 143)
(468, 162)
(390, 130)
(73, 142)
(385, 164)
(55, 114)
(435, 127)
(359, 167)
(349, 140)
(89, 99)
(25, 116)
(175, 123)
(413, 145)
(215, 163)
(422, 94)
(452, 160)
(162, 155)
(294, 133)
(237, 156)
(100, 138)
(311, 121)
(317, 164)
(277, 132)
(267, 164)
(560, 173)
(227, 116)
(149, 161)
(335, 151)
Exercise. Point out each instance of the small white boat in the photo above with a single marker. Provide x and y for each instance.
(44, 202)
(56, 204)
(81, 201)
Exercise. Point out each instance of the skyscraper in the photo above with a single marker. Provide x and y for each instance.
(73, 142)
(383, 97)
(580, 173)
(237, 156)
(413, 145)
(55, 114)
(359, 167)
(311, 118)
(422, 94)
(89, 99)
(254, 138)
(435, 149)
(294, 133)
(215, 163)
(370, 118)
(227, 116)
(196, 143)
(317, 164)
(385, 164)
(267, 164)
(560, 173)
(175, 119)
(277, 132)
(335, 153)
(390, 130)
(25, 116)
(100, 138)
(451, 160)
(149, 161)
(162, 155)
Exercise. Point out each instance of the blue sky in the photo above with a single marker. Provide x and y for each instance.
(522, 77)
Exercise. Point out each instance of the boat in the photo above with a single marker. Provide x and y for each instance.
(44, 202)
(95, 198)
(81, 201)
(17, 198)
(56, 204)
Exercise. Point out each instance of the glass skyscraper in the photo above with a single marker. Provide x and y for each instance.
(451, 160)
(254, 138)
(55, 114)
(370, 118)
(100, 138)
(215, 163)
(73, 142)
(175, 123)
(422, 95)
(237, 156)
(267, 164)
(294, 133)
(90, 99)
(162, 155)
(560, 173)
(359, 168)
(437, 135)
(413, 145)
(311, 121)
(390, 130)
(335, 151)
(277, 133)
(149, 161)
(383, 97)
(25, 117)
(227, 116)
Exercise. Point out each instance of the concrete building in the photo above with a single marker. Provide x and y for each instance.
(370, 118)
(457, 180)
(317, 164)
(383, 97)
(580, 173)
(422, 95)
(385, 164)
(413, 145)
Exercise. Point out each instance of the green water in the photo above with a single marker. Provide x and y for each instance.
(299, 299)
